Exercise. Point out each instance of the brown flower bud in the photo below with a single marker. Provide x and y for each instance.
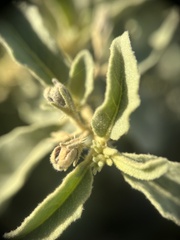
(62, 157)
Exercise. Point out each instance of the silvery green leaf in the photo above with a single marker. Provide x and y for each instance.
(163, 193)
(20, 151)
(27, 40)
(81, 79)
(160, 39)
(111, 119)
(117, 7)
(141, 166)
(59, 209)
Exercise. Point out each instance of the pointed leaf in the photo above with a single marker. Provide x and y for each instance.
(20, 150)
(81, 77)
(163, 193)
(160, 39)
(59, 209)
(23, 34)
(142, 166)
(111, 119)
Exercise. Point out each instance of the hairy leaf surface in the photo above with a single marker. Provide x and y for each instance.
(163, 193)
(142, 166)
(23, 34)
(20, 150)
(81, 77)
(111, 119)
(59, 209)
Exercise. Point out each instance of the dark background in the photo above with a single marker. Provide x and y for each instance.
(114, 211)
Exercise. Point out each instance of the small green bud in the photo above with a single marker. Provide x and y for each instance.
(99, 157)
(100, 164)
(53, 96)
(109, 162)
(109, 151)
(59, 96)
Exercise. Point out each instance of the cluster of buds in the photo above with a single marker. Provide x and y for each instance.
(68, 152)
(101, 156)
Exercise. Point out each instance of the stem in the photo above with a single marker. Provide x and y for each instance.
(78, 121)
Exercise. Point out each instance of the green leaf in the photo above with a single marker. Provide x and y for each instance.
(59, 209)
(23, 34)
(111, 119)
(142, 166)
(163, 193)
(20, 151)
(160, 39)
(81, 79)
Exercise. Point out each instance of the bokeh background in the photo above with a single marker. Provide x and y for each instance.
(114, 211)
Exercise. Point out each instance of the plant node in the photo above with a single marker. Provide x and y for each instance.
(102, 155)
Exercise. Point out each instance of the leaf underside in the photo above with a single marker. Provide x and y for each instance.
(20, 151)
(163, 193)
(141, 166)
(42, 57)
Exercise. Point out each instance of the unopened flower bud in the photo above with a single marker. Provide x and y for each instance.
(109, 162)
(53, 97)
(59, 96)
(62, 157)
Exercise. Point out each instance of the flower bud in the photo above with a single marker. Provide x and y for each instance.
(62, 157)
(59, 96)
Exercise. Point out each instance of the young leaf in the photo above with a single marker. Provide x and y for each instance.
(163, 193)
(59, 209)
(20, 150)
(30, 45)
(81, 77)
(142, 166)
(111, 119)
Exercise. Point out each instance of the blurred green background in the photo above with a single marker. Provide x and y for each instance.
(114, 211)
